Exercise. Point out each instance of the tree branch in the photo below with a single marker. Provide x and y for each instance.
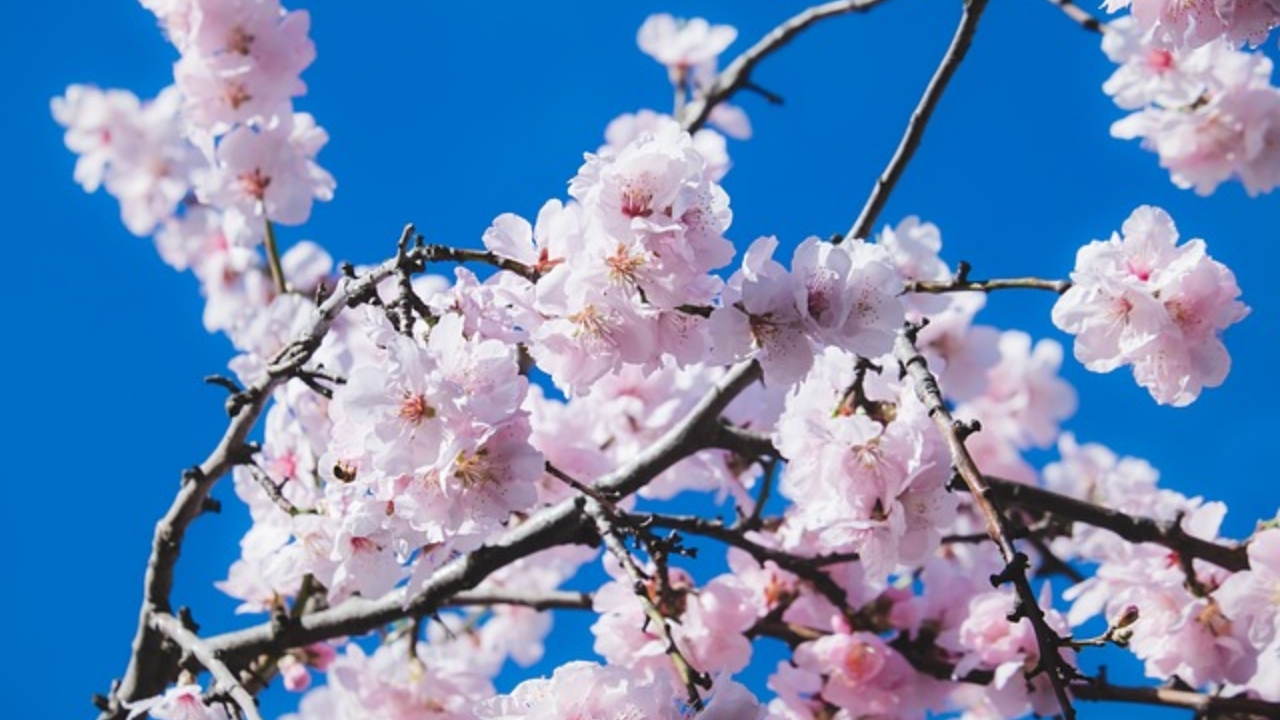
(1081, 16)
(737, 74)
(1204, 705)
(926, 385)
(546, 600)
(960, 282)
(689, 675)
(194, 646)
(1132, 528)
(861, 227)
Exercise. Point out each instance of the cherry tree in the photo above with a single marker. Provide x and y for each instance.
(432, 448)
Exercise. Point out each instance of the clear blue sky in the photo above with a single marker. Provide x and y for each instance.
(447, 114)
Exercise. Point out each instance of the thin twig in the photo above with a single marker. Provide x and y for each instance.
(805, 568)
(194, 646)
(737, 74)
(965, 285)
(1081, 16)
(690, 676)
(861, 227)
(274, 492)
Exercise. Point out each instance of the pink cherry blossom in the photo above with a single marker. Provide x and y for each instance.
(683, 44)
(1140, 299)
(270, 173)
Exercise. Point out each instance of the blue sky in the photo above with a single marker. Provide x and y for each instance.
(447, 114)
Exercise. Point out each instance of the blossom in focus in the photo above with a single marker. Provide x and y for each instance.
(270, 173)
(1141, 299)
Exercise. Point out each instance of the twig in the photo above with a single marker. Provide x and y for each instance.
(690, 676)
(587, 490)
(274, 491)
(1080, 16)
(805, 568)
(926, 386)
(193, 645)
(861, 227)
(960, 282)
(737, 74)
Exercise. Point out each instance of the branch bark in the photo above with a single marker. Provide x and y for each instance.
(959, 47)
(916, 368)
(737, 74)
(193, 645)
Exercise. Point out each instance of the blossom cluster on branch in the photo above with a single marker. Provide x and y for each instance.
(868, 436)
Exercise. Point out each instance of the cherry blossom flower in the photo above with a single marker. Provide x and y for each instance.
(1193, 23)
(138, 150)
(1140, 299)
(270, 173)
(181, 702)
(683, 44)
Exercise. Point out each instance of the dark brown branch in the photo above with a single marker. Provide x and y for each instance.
(689, 675)
(1132, 528)
(191, 644)
(737, 74)
(957, 285)
(805, 568)
(1204, 705)
(548, 600)
(1080, 16)
(916, 368)
(960, 43)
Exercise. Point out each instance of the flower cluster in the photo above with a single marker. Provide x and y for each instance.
(1210, 113)
(1141, 299)
(1192, 23)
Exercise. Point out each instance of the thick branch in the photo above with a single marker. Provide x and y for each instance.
(1132, 528)
(542, 600)
(1204, 705)
(193, 645)
(919, 119)
(737, 75)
